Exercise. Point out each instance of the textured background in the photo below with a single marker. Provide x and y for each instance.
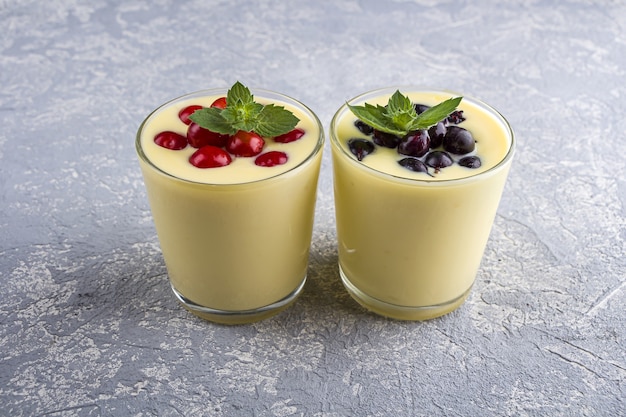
(88, 325)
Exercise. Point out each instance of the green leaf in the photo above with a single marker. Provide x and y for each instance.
(212, 119)
(375, 116)
(435, 114)
(239, 94)
(242, 116)
(400, 104)
(243, 113)
(404, 120)
(399, 116)
(275, 120)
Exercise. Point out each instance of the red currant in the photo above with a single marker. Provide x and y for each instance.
(184, 114)
(220, 103)
(170, 140)
(271, 158)
(210, 157)
(245, 144)
(198, 137)
(292, 136)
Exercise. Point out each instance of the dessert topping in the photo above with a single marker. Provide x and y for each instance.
(243, 113)
(245, 143)
(184, 114)
(271, 158)
(427, 136)
(170, 140)
(399, 116)
(233, 125)
(210, 157)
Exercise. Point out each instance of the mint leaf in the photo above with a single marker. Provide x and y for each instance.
(243, 113)
(401, 111)
(242, 116)
(376, 116)
(275, 120)
(437, 113)
(239, 94)
(399, 116)
(212, 119)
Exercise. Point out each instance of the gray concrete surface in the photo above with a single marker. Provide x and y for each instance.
(88, 325)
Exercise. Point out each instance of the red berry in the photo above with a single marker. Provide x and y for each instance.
(292, 136)
(271, 158)
(184, 114)
(170, 140)
(220, 103)
(245, 144)
(198, 137)
(210, 157)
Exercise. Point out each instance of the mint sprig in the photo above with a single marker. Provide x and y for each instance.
(243, 113)
(399, 116)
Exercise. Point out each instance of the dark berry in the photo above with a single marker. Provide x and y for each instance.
(438, 160)
(363, 127)
(361, 147)
(414, 143)
(421, 108)
(456, 117)
(245, 143)
(271, 158)
(184, 114)
(387, 140)
(210, 157)
(458, 141)
(220, 103)
(198, 137)
(436, 133)
(470, 162)
(171, 140)
(414, 164)
(291, 136)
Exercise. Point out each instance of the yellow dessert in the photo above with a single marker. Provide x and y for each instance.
(410, 243)
(236, 238)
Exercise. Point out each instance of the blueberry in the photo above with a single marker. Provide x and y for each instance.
(388, 140)
(361, 147)
(458, 141)
(414, 164)
(414, 143)
(438, 160)
(436, 133)
(456, 117)
(363, 127)
(421, 108)
(470, 162)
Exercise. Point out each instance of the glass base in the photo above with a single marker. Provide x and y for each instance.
(239, 316)
(400, 312)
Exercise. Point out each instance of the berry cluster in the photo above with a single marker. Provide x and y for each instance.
(436, 147)
(215, 149)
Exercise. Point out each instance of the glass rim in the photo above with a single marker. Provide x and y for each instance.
(263, 93)
(406, 89)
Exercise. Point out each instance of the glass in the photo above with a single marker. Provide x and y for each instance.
(236, 251)
(410, 245)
